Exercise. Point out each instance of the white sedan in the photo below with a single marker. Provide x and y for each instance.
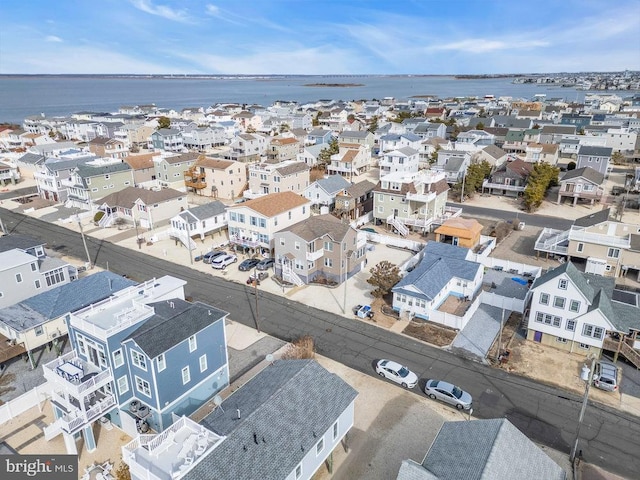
(223, 260)
(396, 372)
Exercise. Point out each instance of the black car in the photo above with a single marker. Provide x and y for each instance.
(209, 256)
(248, 264)
(266, 263)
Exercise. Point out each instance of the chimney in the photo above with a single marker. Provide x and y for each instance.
(110, 284)
(172, 305)
(238, 413)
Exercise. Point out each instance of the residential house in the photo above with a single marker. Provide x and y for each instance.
(41, 319)
(444, 271)
(575, 119)
(89, 183)
(252, 224)
(135, 134)
(50, 175)
(216, 178)
(322, 192)
(357, 137)
(511, 122)
(170, 168)
(491, 154)
(9, 174)
(319, 248)
(29, 163)
(167, 139)
(429, 130)
(351, 159)
(319, 136)
(248, 147)
(141, 207)
(285, 422)
(555, 133)
(514, 142)
(410, 200)
(267, 177)
(139, 358)
(108, 148)
(281, 149)
(403, 160)
(453, 163)
(393, 141)
(542, 152)
(499, 135)
(595, 157)
(608, 247)
(581, 184)
(574, 311)
(247, 120)
(202, 220)
(482, 449)
(26, 270)
(510, 179)
(460, 232)
(355, 201)
(310, 154)
(144, 170)
(475, 138)
(203, 139)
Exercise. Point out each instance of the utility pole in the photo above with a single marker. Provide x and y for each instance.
(84, 242)
(346, 273)
(585, 400)
(500, 334)
(464, 175)
(255, 283)
(135, 225)
(189, 242)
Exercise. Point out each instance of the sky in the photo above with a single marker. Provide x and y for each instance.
(318, 36)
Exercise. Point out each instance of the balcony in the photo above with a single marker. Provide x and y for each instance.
(88, 379)
(77, 416)
(579, 235)
(70, 182)
(553, 241)
(313, 256)
(421, 197)
(502, 186)
(567, 192)
(195, 179)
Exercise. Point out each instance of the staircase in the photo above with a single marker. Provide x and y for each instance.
(290, 276)
(630, 354)
(106, 220)
(186, 240)
(53, 430)
(399, 226)
(553, 241)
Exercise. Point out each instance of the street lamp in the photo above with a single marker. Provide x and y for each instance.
(589, 379)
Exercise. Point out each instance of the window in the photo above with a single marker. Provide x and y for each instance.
(161, 362)
(328, 246)
(203, 363)
(583, 346)
(299, 471)
(123, 385)
(53, 277)
(39, 330)
(18, 277)
(559, 302)
(186, 375)
(143, 386)
(580, 247)
(138, 360)
(296, 245)
(192, 343)
(592, 331)
(561, 340)
(574, 306)
(613, 253)
(335, 430)
(320, 446)
(328, 262)
(118, 359)
(571, 325)
(562, 284)
(33, 267)
(544, 298)
(37, 283)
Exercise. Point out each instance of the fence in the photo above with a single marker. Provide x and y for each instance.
(24, 402)
(394, 241)
(509, 266)
(454, 321)
(508, 303)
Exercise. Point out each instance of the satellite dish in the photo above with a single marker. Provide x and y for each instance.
(217, 401)
(269, 358)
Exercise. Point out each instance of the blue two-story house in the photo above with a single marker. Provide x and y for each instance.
(139, 357)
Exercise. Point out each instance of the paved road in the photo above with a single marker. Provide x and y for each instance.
(529, 219)
(609, 438)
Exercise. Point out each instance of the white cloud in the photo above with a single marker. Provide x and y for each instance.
(481, 45)
(162, 11)
(212, 10)
(52, 38)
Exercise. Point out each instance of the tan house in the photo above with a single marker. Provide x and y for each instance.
(281, 149)
(268, 177)
(144, 171)
(142, 207)
(252, 224)
(351, 159)
(108, 148)
(542, 152)
(460, 232)
(355, 201)
(217, 178)
(606, 247)
(581, 184)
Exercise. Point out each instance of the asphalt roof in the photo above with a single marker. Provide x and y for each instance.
(283, 410)
(589, 173)
(206, 210)
(19, 241)
(592, 219)
(173, 322)
(318, 226)
(61, 300)
(333, 183)
(487, 449)
(595, 151)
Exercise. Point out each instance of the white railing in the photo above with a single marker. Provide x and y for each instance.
(52, 430)
(290, 276)
(508, 303)
(182, 235)
(106, 220)
(421, 197)
(402, 229)
(144, 311)
(76, 389)
(608, 240)
(551, 243)
(503, 186)
(313, 256)
(455, 321)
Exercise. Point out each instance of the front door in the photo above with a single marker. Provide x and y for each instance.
(537, 337)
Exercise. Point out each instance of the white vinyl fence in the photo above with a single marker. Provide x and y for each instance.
(24, 402)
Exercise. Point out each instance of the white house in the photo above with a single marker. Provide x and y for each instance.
(405, 159)
(323, 191)
(202, 220)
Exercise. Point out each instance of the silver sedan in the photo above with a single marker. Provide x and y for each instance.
(446, 392)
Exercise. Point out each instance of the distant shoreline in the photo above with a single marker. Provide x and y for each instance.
(333, 85)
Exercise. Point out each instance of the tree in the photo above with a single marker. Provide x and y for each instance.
(540, 180)
(480, 126)
(325, 154)
(164, 122)
(401, 116)
(475, 175)
(571, 165)
(284, 128)
(122, 472)
(373, 126)
(618, 158)
(384, 276)
(315, 121)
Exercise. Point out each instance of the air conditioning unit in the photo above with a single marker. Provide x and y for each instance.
(54, 334)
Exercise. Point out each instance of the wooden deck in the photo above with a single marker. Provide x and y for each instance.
(9, 351)
(454, 305)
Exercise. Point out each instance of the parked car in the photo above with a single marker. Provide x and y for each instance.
(396, 372)
(248, 264)
(448, 393)
(223, 261)
(363, 311)
(210, 256)
(605, 376)
(266, 263)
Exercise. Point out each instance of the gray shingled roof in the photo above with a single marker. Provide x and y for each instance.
(441, 262)
(333, 184)
(206, 210)
(32, 158)
(292, 168)
(174, 321)
(595, 151)
(354, 134)
(592, 219)
(19, 241)
(491, 449)
(283, 410)
(61, 300)
(86, 171)
(588, 173)
(319, 225)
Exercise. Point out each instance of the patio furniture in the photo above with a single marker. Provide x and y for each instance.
(70, 371)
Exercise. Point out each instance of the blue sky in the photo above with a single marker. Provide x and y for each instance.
(318, 36)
